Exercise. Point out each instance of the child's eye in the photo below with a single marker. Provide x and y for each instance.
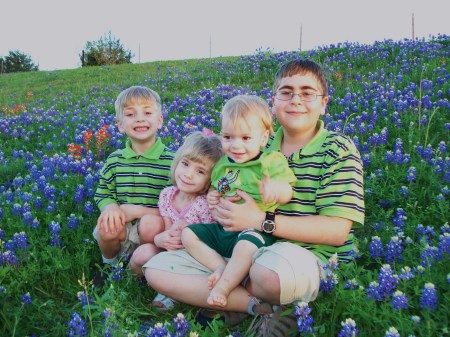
(226, 137)
(246, 138)
(184, 163)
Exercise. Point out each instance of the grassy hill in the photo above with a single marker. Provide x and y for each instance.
(391, 98)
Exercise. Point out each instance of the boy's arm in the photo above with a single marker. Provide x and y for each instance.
(133, 212)
(111, 219)
(316, 229)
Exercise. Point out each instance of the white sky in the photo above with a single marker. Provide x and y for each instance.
(54, 32)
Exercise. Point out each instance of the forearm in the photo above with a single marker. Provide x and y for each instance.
(314, 229)
(133, 212)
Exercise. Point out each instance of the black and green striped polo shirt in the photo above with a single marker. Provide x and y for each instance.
(329, 182)
(131, 178)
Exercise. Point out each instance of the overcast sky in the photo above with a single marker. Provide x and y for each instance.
(54, 32)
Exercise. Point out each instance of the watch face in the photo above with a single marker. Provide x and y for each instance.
(268, 226)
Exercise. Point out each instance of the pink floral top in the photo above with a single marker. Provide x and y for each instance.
(196, 212)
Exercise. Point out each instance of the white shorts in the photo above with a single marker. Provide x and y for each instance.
(131, 241)
(297, 268)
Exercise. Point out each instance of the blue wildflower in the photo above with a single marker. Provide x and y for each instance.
(348, 328)
(55, 228)
(428, 300)
(351, 284)
(304, 320)
(399, 301)
(181, 325)
(26, 298)
(415, 319)
(376, 248)
(406, 274)
(76, 326)
(394, 249)
(159, 330)
(392, 332)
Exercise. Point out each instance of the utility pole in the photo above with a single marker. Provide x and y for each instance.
(413, 26)
(301, 32)
(210, 46)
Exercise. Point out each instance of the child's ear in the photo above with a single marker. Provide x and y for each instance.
(264, 138)
(120, 126)
(324, 105)
(161, 121)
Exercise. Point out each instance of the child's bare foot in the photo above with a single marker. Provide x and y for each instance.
(218, 297)
(214, 278)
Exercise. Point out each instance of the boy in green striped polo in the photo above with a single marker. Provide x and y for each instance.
(328, 202)
(132, 178)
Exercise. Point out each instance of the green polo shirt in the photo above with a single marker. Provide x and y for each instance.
(329, 182)
(131, 178)
(227, 176)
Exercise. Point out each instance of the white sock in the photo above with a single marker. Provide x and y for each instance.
(109, 261)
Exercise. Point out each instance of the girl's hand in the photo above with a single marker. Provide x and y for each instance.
(213, 198)
(169, 240)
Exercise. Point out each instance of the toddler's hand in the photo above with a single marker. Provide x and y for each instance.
(213, 198)
(269, 190)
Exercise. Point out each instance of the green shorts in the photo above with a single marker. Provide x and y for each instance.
(223, 242)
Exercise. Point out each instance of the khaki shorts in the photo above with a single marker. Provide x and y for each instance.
(298, 269)
(131, 241)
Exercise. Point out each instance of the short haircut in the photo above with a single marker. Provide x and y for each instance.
(301, 67)
(199, 147)
(135, 95)
(242, 106)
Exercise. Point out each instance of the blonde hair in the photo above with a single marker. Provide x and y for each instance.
(135, 95)
(198, 147)
(241, 106)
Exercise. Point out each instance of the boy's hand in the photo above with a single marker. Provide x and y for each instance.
(112, 219)
(213, 198)
(169, 240)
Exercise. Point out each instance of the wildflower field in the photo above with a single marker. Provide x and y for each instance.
(57, 128)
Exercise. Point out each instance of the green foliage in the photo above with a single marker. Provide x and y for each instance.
(107, 50)
(16, 61)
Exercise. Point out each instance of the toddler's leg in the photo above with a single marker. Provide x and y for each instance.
(141, 255)
(201, 251)
(234, 272)
(149, 226)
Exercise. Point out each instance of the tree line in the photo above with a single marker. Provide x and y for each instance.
(107, 50)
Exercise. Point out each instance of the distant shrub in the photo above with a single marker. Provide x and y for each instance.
(105, 51)
(16, 61)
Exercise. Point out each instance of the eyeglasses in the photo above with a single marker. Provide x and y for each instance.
(305, 96)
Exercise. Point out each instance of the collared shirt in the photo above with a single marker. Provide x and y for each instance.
(131, 178)
(329, 182)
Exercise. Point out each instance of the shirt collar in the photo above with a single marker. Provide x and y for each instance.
(154, 152)
(309, 149)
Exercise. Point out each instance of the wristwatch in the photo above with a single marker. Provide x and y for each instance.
(268, 225)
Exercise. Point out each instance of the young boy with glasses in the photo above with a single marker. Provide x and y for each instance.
(328, 201)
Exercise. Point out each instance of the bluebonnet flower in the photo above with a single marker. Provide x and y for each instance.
(387, 281)
(72, 221)
(89, 207)
(84, 298)
(2, 234)
(26, 298)
(117, 272)
(373, 291)
(181, 325)
(425, 233)
(20, 240)
(394, 249)
(304, 320)
(330, 279)
(392, 332)
(79, 194)
(444, 244)
(406, 273)
(442, 147)
(17, 209)
(1, 213)
(76, 326)
(38, 203)
(348, 328)
(428, 300)
(9, 258)
(55, 228)
(376, 248)
(448, 278)
(415, 319)
(159, 330)
(429, 255)
(403, 191)
(351, 284)
(399, 218)
(399, 300)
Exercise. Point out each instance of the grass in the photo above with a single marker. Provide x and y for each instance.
(391, 98)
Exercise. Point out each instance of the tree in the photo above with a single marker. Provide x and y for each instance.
(17, 61)
(105, 51)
